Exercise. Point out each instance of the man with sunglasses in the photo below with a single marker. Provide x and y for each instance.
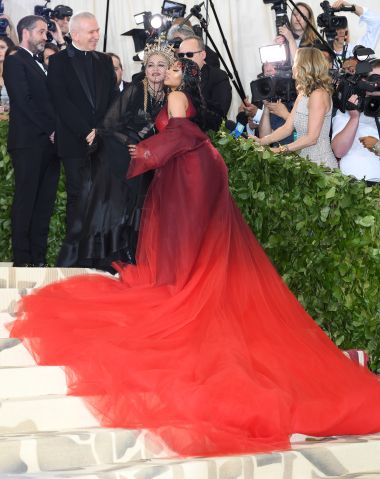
(215, 85)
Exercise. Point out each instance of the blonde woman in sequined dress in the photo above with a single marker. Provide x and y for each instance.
(311, 114)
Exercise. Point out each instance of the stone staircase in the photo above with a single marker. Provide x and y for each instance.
(46, 434)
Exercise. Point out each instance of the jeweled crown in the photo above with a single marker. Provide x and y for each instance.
(159, 47)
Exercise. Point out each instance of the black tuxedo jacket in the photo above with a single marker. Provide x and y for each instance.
(31, 116)
(216, 89)
(77, 112)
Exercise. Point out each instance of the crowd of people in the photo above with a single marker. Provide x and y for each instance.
(198, 338)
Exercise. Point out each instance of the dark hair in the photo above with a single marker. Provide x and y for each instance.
(191, 85)
(52, 46)
(11, 50)
(113, 55)
(9, 43)
(28, 23)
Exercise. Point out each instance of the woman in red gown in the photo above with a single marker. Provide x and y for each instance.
(201, 341)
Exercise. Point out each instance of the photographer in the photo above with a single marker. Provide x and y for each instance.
(369, 39)
(347, 130)
(275, 113)
(178, 33)
(215, 84)
(10, 30)
(61, 16)
(300, 34)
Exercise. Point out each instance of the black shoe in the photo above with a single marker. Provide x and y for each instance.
(39, 265)
(17, 264)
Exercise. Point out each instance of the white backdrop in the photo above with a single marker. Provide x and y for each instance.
(247, 24)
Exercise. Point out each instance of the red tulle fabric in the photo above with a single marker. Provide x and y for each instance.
(201, 342)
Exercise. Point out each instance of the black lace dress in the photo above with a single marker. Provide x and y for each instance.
(107, 223)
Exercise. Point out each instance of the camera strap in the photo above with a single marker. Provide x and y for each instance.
(378, 125)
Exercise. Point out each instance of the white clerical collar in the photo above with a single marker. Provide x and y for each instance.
(79, 49)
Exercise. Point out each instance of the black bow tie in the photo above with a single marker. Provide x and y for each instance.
(38, 57)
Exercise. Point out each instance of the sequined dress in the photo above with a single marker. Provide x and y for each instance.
(320, 153)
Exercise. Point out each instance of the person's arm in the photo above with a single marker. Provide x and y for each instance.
(265, 127)
(288, 35)
(283, 131)
(342, 141)
(344, 3)
(67, 110)
(317, 110)
(58, 37)
(17, 85)
(370, 19)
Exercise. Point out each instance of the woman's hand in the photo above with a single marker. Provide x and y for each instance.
(91, 137)
(286, 33)
(255, 139)
(276, 149)
(278, 109)
(248, 108)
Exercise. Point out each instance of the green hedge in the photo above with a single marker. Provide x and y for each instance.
(320, 228)
(57, 224)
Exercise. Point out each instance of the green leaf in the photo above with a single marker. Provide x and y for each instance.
(331, 192)
(366, 221)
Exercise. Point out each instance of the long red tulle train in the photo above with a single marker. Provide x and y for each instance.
(201, 342)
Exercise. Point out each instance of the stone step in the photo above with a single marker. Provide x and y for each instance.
(27, 278)
(9, 298)
(14, 354)
(32, 381)
(81, 448)
(5, 318)
(346, 458)
(44, 413)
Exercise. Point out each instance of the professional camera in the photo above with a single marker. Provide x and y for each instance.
(273, 89)
(3, 21)
(46, 13)
(154, 25)
(360, 83)
(330, 23)
(280, 10)
(61, 11)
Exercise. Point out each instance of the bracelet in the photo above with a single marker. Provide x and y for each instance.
(283, 148)
(60, 45)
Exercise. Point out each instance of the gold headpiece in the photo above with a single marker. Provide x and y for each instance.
(159, 48)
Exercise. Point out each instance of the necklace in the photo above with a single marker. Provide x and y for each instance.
(153, 96)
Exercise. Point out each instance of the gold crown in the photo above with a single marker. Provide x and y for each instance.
(159, 48)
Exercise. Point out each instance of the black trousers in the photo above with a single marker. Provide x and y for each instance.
(36, 171)
(78, 178)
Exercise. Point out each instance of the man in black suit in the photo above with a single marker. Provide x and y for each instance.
(82, 83)
(31, 144)
(118, 69)
(215, 85)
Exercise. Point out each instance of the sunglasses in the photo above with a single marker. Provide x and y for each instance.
(187, 54)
